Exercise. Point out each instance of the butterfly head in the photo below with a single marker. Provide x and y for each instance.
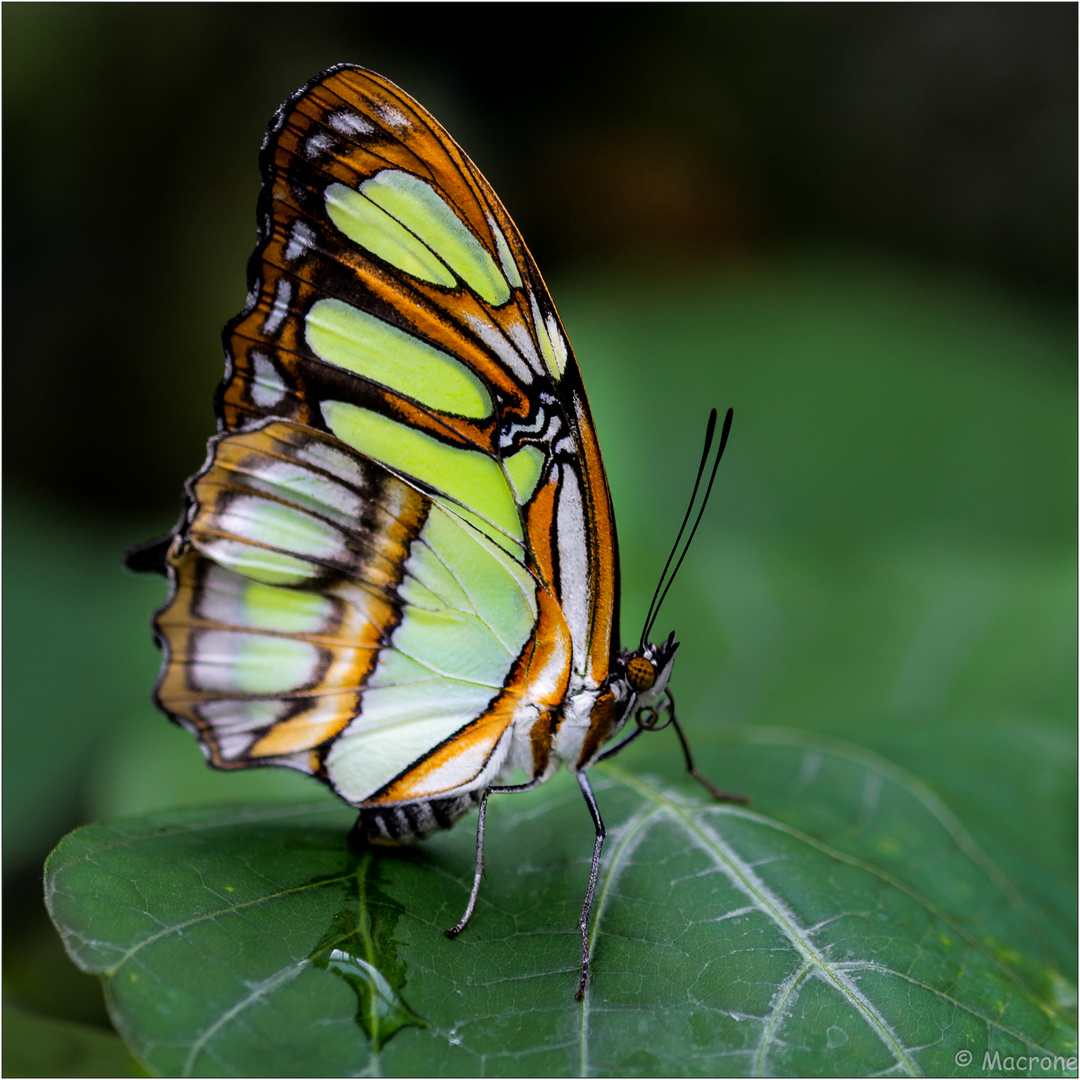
(644, 675)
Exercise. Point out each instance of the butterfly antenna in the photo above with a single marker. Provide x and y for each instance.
(659, 596)
(710, 430)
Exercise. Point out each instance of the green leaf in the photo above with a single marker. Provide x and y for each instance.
(43, 1046)
(844, 924)
(1012, 781)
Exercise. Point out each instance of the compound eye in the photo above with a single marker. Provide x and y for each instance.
(640, 674)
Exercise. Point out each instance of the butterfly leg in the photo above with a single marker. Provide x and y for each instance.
(691, 768)
(586, 908)
(464, 920)
(613, 750)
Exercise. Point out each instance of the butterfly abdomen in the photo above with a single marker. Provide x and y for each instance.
(404, 822)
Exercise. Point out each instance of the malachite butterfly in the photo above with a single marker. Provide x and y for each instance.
(397, 569)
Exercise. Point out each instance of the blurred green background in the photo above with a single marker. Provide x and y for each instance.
(854, 223)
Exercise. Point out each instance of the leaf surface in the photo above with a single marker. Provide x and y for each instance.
(844, 923)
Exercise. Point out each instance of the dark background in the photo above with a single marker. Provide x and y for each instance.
(855, 223)
(940, 132)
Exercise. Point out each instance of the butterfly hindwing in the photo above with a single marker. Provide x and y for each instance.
(330, 617)
(400, 553)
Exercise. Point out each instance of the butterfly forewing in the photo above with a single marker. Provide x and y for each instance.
(369, 206)
(399, 558)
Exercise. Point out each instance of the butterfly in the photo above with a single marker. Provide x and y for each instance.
(397, 569)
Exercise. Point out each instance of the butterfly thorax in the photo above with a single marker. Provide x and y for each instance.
(594, 718)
